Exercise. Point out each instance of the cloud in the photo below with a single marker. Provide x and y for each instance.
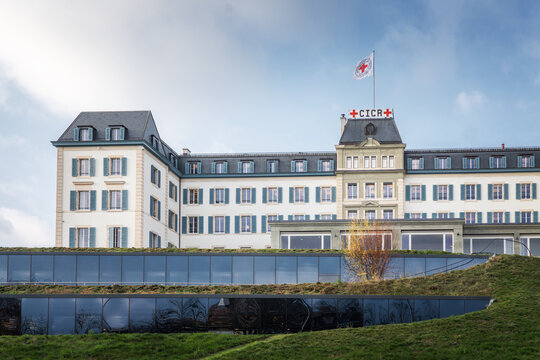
(467, 102)
(18, 229)
(11, 141)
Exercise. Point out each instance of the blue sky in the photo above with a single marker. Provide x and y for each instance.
(237, 76)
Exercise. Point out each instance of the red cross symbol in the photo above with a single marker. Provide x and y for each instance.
(387, 112)
(363, 67)
(353, 113)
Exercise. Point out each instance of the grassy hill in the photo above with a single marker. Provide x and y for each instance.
(509, 329)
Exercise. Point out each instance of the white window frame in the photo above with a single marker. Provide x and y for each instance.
(326, 194)
(470, 215)
(115, 199)
(366, 162)
(408, 234)
(366, 216)
(220, 167)
(470, 192)
(193, 196)
(415, 163)
(498, 195)
(386, 212)
(495, 215)
(83, 237)
(525, 191)
(299, 166)
(299, 195)
(85, 133)
(273, 195)
(525, 217)
(348, 162)
(526, 161)
(416, 215)
(193, 167)
(83, 198)
(84, 164)
(416, 192)
(269, 218)
(373, 162)
(443, 215)
(442, 192)
(391, 162)
(299, 217)
(352, 191)
(220, 196)
(193, 225)
(245, 224)
(245, 195)
(352, 214)
(219, 224)
(355, 162)
(116, 236)
(326, 216)
(384, 162)
(325, 165)
(246, 167)
(388, 194)
(371, 190)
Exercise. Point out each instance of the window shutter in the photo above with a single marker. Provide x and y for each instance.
(92, 240)
(435, 188)
(477, 163)
(76, 134)
(479, 217)
(464, 161)
(122, 133)
(92, 167)
(111, 236)
(159, 210)
(305, 166)
(176, 222)
(263, 223)
(176, 193)
(124, 166)
(307, 217)
(253, 195)
(332, 165)
(213, 167)
(199, 167)
(518, 191)
(433, 215)
(72, 237)
(251, 167)
(535, 216)
(239, 167)
(319, 165)
(150, 240)
(317, 217)
(491, 162)
(91, 134)
(334, 216)
(152, 174)
(105, 166)
(152, 206)
(504, 162)
(264, 195)
(292, 166)
(534, 191)
(237, 224)
(291, 194)
(93, 200)
(211, 196)
(451, 192)
(422, 163)
(72, 200)
(280, 195)
(306, 194)
(507, 217)
(280, 217)
(210, 224)
(159, 178)
(519, 161)
(74, 165)
(159, 241)
(478, 192)
(108, 134)
(253, 224)
(169, 219)
(407, 192)
(409, 163)
(267, 166)
(517, 220)
(505, 191)
(490, 192)
(435, 163)
(170, 189)
(451, 215)
(201, 224)
(238, 195)
(226, 195)
(407, 216)
(462, 215)
(449, 163)
(289, 217)
(124, 199)
(532, 161)
(184, 224)
(201, 200)
(423, 192)
(333, 194)
(424, 216)
(462, 191)
(186, 168)
(489, 217)
(227, 224)
(318, 194)
(184, 196)
(226, 167)
(104, 200)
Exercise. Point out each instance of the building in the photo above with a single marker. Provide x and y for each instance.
(120, 185)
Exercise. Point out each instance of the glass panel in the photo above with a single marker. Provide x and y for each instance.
(132, 270)
(169, 315)
(415, 266)
(435, 265)
(265, 268)
(248, 314)
(110, 269)
(452, 307)
(401, 311)
(10, 316)
(286, 269)
(534, 246)
(425, 309)
(3, 268)
(326, 241)
(115, 314)
(328, 268)
(65, 269)
(221, 270)
(199, 270)
(177, 270)
(141, 315)
(375, 312)
(324, 314)
(298, 314)
(154, 269)
(19, 268)
(242, 269)
(475, 305)
(458, 263)
(346, 274)
(87, 270)
(448, 243)
(509, 244)
(34, 315)
(61, 316)
(427, 242)
(220, 314)
(42, 269)
(405, 242)
(284, 242)
(466, 246)
(395, 268)
(88, 315)
(273, 319)
(350, 313)
(308, 269)
(195, 313)
(305, 241)
(487, 246)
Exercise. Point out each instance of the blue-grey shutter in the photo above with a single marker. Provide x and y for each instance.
(489, 217)
(239, 167)
(176, 222)
(506, 192)
(280, 217)
(93, 200)
(253, 195)
(409, 163)
(176, 193)
(504, 162)
(317, 217)
(332, 165)
(264, 195)
(517, 219)
(201, 224)
(72, 237)
(462, 191)
(201, 199)
(263, 223)
(507, 217)
(108, 134)
(519, 161)
(169, 219)
(104, 200)
(251, 167)
(72, 200)
(319, 165)
(534, 191)
(407, 216)
(307, 217)
(226, 195)
(238, 195)
(152, 174)
(306, 194)
(535, 216)
(267, 166)
(479, 217)
(184, 224)
(92, 167)
(518, 191)
(289, 217)
(449, 163)
(150, 240)
(318, 194)
(91, 134)
(293, 167)
(159, 178)
(435, 163)
(159, 241)
(159, 210)
(280, 195)
(477, 163)
(211, 196)
(451, 192)
(111, 236)
(226, 167)
(210, 224)
(124, 199)
(407, 192)
(170, 189)
(423, 192)
(213, 167)
(124, 166)
(435, 192)
(199, 167)
(184, 196)
(291, 194)
(152, 206)
(92, 241)
(305, 165)
(424, 216)
(74, 166)
(490, 193)
(478, 192)
(462, 215)
(334, 216)
(491, 162)
(532, 161)
(422, 163)
(186, 168)
(76, 134)
(253, 224)
(122, 133)
(237, 224)
(433, 215)
(105, 166)
(451, 215)
(227, 224)
(333, 194)
(464, 161)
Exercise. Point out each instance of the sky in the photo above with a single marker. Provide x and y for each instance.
(256, 76)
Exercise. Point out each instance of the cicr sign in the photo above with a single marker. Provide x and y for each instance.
(371, 113)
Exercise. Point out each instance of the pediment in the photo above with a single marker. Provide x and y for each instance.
(370, 203)
(369, 142)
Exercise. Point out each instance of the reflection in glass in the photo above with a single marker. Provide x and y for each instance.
(273, 319)
(42, 268)
(305, 241)
(415, 266)
(242, 269)
(286, 269)
(34, 316)
(221, 269)
(427, 242)
(324, 314)
(265, 269)
(350, 313)
(298, 314)
(328, 268)
(220, 314)
(247, 314)
(154, 269)
(199, 270)
(456, 263)
(61, 316)
(115, 314)
(426, 309)
(87, 270)
(394, 269)
(19, 268)
(141, 314)
(466, 246)
(64, 269)
(3, 268)
(132, 270)
(110, 269)
(435, 265)
(375, 312)
(451, 307)
(88, 315)
(534, 246)
(10, 316)
(448, 243)
(401, 311)
(284, 242)
(169, 315)
(308, 269)
(177, 270)
(488, 246)
(475, 305)
(326, 241)
(194, 313)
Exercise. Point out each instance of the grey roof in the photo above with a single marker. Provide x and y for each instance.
(355, 131)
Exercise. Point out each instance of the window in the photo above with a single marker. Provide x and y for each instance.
(221, 167)
(245, 224)
(299, 217)
(366, 162)
(116, 134)
(525, 161)
(442, 163)
(391, 161)
(326, 216)
(85, 134)
(115, 199)
(370, 191)
(388, 214)
(84, 167)
(384, 161)
(155, 142)
(349, 162)
(83, 198)
(415, 164)
(470, 218)
(470, 192)
(299, 194)
(442, 192)
(352, 214)
(526, 217)
(416, 215)
(116, 238)
(246, 196)
(219, 224)
(471, 162)
(497, 162)
(497, 191)
(442, 215)
(299, 166)
(193, 196)
(155, 176)
(373, 162)
(193, 225)
(173, 221)
(173, 159)
(416, 193)
(352, 191)
(325, 166)
(82, 238)
(246, 167)
(220, 196)
(272, 166)
(153, 241)
(268, 219)
(526, 191)
(326, 194)
(173, 191)
(116, 166)
(498, 217)
(154, 207)
(370, 214)
(355, 162)
(273, 195)
(194, 167)
(388, 190)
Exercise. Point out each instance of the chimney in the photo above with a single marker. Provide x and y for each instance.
(343, 122)
(502, 146)
(186, 152)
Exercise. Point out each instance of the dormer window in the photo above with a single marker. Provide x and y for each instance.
(173, 159)
(326, 165)
(272, 166)
(525, 161)
(471, 162)
(155, 142)
(115, 133)
(299, 166)
(83, 134)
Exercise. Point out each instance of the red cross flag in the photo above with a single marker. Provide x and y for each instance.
(364, 68)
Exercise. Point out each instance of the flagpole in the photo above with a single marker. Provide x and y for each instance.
(373, 78)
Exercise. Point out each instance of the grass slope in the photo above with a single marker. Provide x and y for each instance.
(509, 329)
